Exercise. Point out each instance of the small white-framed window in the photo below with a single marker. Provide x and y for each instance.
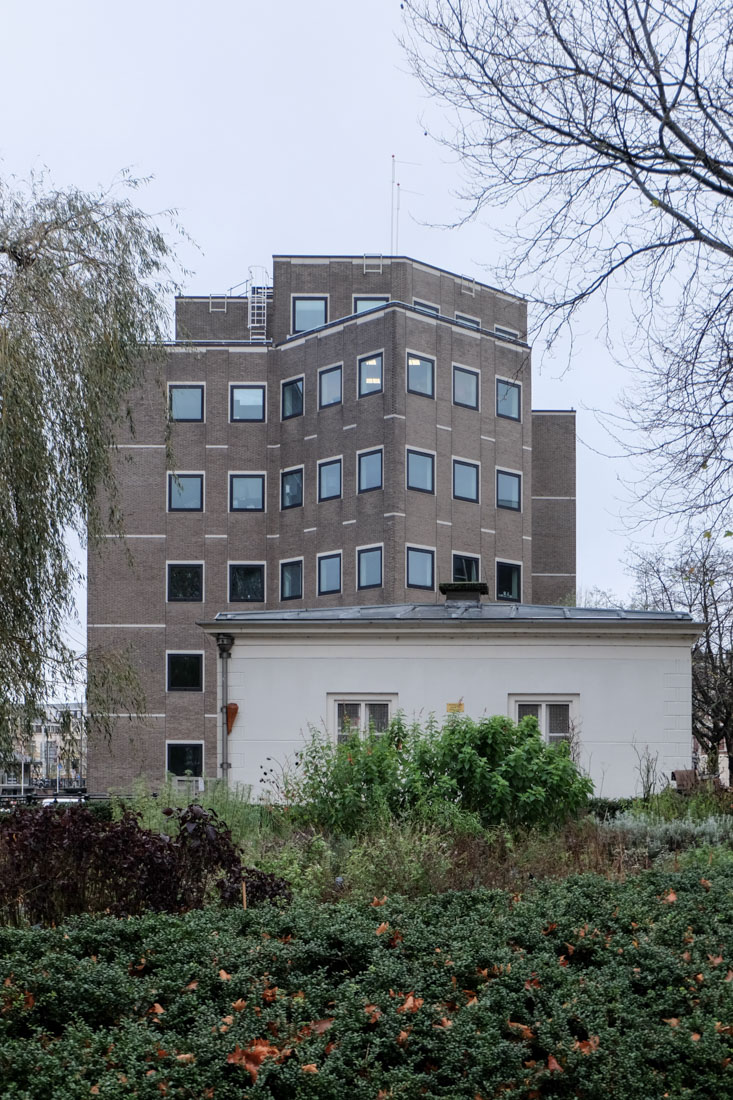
(354, 712)
(328, 569)
(469, 322)
(365, 302)
(186, 401)
(309, 311)
(426, 307)
(557, 714)
(184, 582)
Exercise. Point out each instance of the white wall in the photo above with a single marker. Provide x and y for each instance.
(632, 693)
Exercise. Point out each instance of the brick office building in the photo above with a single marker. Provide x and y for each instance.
(356, 433)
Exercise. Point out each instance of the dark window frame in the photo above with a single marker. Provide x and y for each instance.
(369, 550)
(518, 479)
(513, 565)
(247, 419)
(421, 359)
(283, 566)
(367, 454)
(365, 359)
(420, 550)
(245, 473)
(295, 298)
(283, 386)
(429, 308)
(184, 653)
(181, 744)
(377, 299)
(467, 321)
(476, 375)
(330, 370)
(465, 557)
(289, 473)
(174, 474)
(331, 462)
(336, 555)
(475, 466)
(423, 454)
(187, 386)
(516, 386)
(260, 565)
(183, 565)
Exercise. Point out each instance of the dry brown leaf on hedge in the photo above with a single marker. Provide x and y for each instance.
(319, 1026)
(252, 1056)
(191, 986)
(669, 897)
(587, 1046)
(94, 1090)
(185, 1058)
(705, 882)
(269, 994)
(411, 1003)
(729, 976)
(239, 1005)
(403, 1036)
(156, 1010)
(224, 976)
(724, 1029)
(553, 1065)
(378, 901)
(382, 928)
(373, 1012)
(715, 960)
(525, 1031)
(695, 1036)
(673, 1021)
(311, 1067)
(444, 1023)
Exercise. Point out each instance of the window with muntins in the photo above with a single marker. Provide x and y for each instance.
(186, 402)
(246, 583)
(553, 718)
(371, 374)
(420, 568)
(185, 492)
(508, 490)
(329, 387)
(329, 574)
(291, 580)
(465, 480)
(247, 492)
(369, 567)
(185, 672)
(420, 471)
(508, 581)
(185, 582)
(420, 376)
(508, 399)
(309, 313)
(466, 568)
(370, 471)
(465, 388)
(292, 398)
(329, 479)
(185, 758)
(247, 403)
(356, 716)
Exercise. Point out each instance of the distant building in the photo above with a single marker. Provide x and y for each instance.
(353, 433)
(53, 750)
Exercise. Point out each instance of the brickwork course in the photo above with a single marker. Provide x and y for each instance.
(453, 323)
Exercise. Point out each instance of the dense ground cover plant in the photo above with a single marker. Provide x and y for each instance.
(465, 773)
(584, 987)
(55, 863)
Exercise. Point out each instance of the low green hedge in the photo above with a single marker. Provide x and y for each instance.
(583, 988)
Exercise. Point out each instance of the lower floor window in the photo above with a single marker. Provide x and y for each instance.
(185, 672)
(185, 758)
(508, 581)
(291, 580)
(355, 715)
(554, 716)
(370, 567)
(420, 568)
(465, 568)
(329, 574)
(247, 583)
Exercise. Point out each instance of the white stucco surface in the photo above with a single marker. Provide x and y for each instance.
(628, 694)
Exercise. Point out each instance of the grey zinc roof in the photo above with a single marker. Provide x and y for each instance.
(453, 609)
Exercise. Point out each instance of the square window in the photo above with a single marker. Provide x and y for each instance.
(361, 305)
(329, 479)
(369, 567)
(506, 333)
(420, 472)
(426, 307)
(370, 375)
(370, 471)
(465, 568)
(185, 492)
(185, 583)
(247, 492)
(329, 574)
(309, 313)
(420, 568)
(292, 398)
(508, 490)
(185, 672)
(469, 322)
(465, 388)
(553, 718)
(465, 480)
(508, 403)
(186, 402)
(291, 580)
(508, 581)
(184, 758)
(291, 489)
(359, 716)
(420, 376)
(329, 387)
(246, 583)
(246, 403)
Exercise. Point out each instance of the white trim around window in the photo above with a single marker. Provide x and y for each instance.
(464, 554)
(509, 561)
(286, 382)
(313, 297)
(369, 451)
(466, 370)
(169, 482)
(259, 564)
(185, 741)
(246, 385)
(424, 358)
(327, 370)
(427, 454)
(507, 382)
(358, 551)
(543, 700)
(186, 653)
(327, 462)
(429, 309)
(188, 385)
(512, 473)
(290, 561)
(246, 473)
(363, 359)
(465, 462)
(362, 698)
(423, 549)
(332, 554)
(467, 320)
(178, 561)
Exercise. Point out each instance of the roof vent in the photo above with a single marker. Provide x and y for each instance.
(464, 591)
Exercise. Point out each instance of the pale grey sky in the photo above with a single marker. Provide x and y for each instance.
(270, 128)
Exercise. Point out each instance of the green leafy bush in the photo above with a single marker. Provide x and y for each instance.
(466, 773)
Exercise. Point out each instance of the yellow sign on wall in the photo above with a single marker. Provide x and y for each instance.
(454, 708)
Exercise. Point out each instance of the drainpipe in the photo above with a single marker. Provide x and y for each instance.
(225, 643)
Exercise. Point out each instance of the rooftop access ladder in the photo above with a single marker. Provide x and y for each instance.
(260, 292)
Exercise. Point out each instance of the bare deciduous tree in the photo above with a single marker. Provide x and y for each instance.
(606, 126)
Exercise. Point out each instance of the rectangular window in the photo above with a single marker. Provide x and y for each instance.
(246, 403)
(469, 322)
(370, 471)
(466, 568)
(329, 479)
(426, 307)
(185, 582)
(508, 490)
(291, 488)
(506, 333)
(420, 471)
(246, 492)
(554, 717)
(420, 568)
(465, 387)
(357, 716)
(309, 313)
(370, 375)
(184, 758)
(185, 492)
(329, 573)
(369, 567)
(292, 399)
(508, 399)
(465, 480)
(420, 376)
(362, 304)
(329, 387)
(508, 581)
(247, 582)
(186, 402)
(291, 580)
(185, 672)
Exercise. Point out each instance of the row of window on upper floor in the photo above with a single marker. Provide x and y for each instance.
(247, 580)
(247, 490)
(310, 311)
(248, 401)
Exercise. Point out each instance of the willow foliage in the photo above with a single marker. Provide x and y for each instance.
(82, 283)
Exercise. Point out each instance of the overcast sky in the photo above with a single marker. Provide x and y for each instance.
(270, 128)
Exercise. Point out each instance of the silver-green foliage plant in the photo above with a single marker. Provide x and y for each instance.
(83, 280)
(488, 772)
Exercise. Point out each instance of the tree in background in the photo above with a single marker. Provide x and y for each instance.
(698, 577)
(606, 126)
(83, 280)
